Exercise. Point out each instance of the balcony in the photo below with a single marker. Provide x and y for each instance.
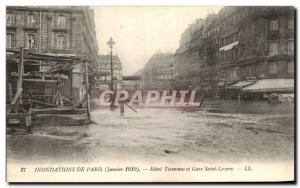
(280, 57)
(60, 28)
(31, 26)
(11, 25)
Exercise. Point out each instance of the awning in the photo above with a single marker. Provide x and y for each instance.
(240, 84)
(220, 84)
(271, 85)
(229, 46)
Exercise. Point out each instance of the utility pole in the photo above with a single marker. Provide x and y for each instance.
(110, 44)
(171, 69)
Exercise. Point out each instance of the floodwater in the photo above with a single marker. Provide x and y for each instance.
(218, 131)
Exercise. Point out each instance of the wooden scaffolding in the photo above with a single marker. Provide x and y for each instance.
(56, 64)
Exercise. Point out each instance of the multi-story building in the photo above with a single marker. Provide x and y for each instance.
(185, 59)
(197, 54)
(104, 67)
(256, 43)
(159, 72)
(63, 31)
(236, 48)
(210, 54)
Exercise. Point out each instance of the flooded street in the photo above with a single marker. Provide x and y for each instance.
(230, 131)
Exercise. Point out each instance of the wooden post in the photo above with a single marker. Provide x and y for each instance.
(18, 94)
(71, 82)
(87, 96)
(10, 91)
(28, 122)
(21, 71)
(122, 107)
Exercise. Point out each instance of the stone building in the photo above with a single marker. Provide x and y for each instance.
(255, 43)
(61, 31)
(104, 68)
(187, 56)
(236, 48)
(196, 58)
(159, 72)
(208, 51)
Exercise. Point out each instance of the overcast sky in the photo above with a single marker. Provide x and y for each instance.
(139, 32)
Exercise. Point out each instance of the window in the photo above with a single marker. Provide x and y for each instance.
(31, 41)
(31, 20)
(10, 19)
(61, 22)
(273, 68)
(290, 67)
(273, 48)
(274, 25)
(10, 40)
(61, 42)
(290, 49)
(291, 24)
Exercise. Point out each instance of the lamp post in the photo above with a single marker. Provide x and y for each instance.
(171, 67)
(110, 44)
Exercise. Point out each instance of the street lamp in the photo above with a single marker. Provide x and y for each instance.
(110, 43)
(171, 80)
(172, 67)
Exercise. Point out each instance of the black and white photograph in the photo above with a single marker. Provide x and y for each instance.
(150, 93)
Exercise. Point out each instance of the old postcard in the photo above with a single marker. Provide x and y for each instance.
(150, 93)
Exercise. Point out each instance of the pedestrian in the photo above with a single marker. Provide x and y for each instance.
(122, 104)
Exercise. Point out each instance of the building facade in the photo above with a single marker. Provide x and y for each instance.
(104, 67)
(159, 72)
(237, 45)
(187, 56)
(56, 31)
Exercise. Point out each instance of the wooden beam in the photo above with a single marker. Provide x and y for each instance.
(58, 59)
(17, 95)
(87, 90)
(39, 80)
(40, 74)
(14, 74)
(13, 56)
(10, 91)
(20, 78)
(71, 82)
(43, 103)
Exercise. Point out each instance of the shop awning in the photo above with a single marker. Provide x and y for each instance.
(240, 84)
(271, 85)
(220, 84)
(229, 46)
